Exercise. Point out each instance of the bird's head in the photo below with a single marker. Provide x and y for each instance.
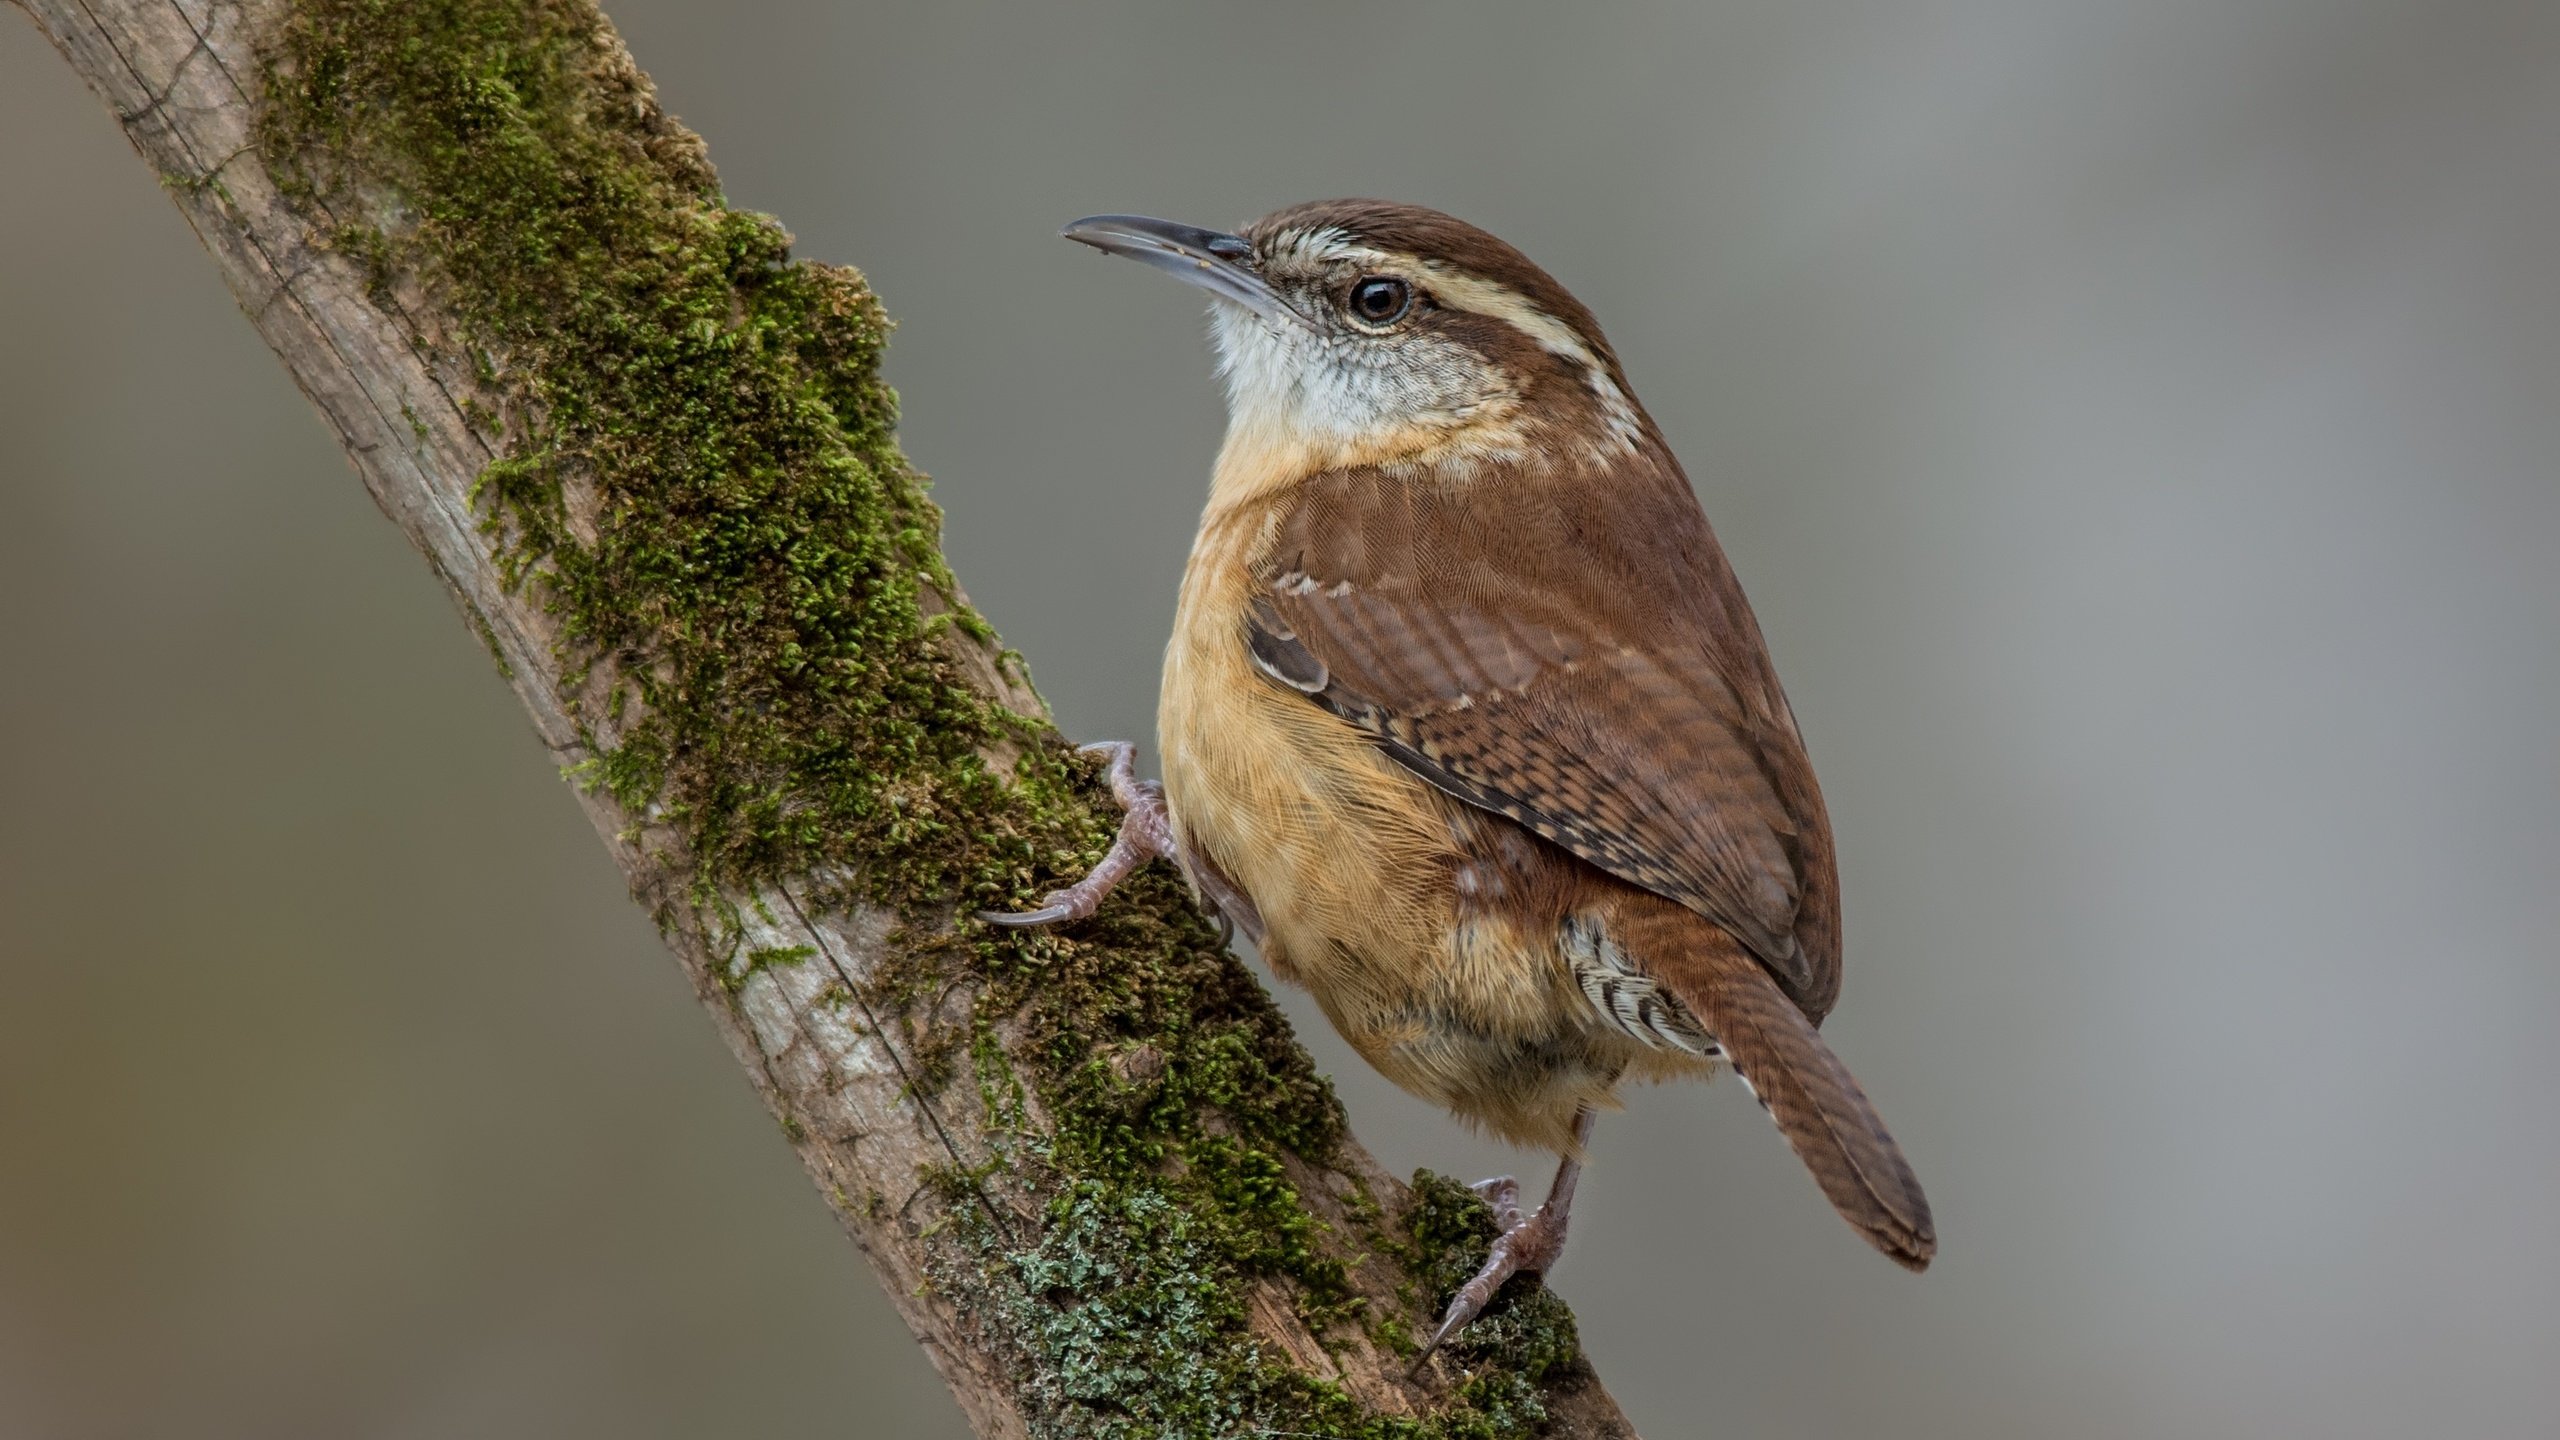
(1360, 332)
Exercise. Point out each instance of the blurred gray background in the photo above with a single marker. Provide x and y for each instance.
(2138, 425)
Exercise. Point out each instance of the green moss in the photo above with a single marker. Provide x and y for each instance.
(1134, 1303)
(760, 958)
(697, 478)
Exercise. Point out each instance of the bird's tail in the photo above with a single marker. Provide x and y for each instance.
(1804, 1087)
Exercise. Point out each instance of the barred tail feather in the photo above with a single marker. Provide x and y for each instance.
(1814, 1100)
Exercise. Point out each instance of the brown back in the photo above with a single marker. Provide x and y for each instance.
(1569, 649)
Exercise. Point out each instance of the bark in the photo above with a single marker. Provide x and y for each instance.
(650, 456)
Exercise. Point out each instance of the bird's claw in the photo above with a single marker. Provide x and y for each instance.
(1048, 914)
(1531, 1244)
(1524, 1245)
(1145, 834)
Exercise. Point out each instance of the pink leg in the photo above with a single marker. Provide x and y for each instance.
(1532, 1244)
(1145, 834)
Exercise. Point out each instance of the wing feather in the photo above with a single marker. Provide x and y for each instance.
(1570, 652)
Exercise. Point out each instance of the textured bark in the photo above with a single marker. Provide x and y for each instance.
(946, 1191)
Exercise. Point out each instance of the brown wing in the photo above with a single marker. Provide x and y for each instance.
(1572, 652)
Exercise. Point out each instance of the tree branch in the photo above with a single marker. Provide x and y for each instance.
(651, 456)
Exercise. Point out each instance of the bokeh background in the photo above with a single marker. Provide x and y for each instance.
(2137, 423)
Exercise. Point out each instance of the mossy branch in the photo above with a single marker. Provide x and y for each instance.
(652, 456)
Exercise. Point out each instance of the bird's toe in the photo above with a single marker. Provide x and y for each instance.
(1529, 1246)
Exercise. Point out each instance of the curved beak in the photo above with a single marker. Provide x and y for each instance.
(1217, 262)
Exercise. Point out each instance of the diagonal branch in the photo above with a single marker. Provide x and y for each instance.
(651, 456)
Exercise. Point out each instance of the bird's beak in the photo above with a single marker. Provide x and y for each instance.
(1217, 262)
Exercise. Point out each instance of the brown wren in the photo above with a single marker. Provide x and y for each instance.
(1467, 723)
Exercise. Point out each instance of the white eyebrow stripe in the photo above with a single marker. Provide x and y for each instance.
(1460, 291)
(1329, 245)
(1332, 245)
(1500, 302)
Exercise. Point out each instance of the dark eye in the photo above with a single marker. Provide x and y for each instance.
(1381, 300)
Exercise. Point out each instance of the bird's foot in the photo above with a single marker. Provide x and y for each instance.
(1530, 1244)
(1145, 834)
(1524, 1245)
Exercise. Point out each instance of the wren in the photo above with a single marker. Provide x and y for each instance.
(1466, 723)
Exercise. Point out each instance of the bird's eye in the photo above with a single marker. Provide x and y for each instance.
(1381, 300)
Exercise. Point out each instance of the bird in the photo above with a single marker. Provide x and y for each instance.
(1466, 722)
